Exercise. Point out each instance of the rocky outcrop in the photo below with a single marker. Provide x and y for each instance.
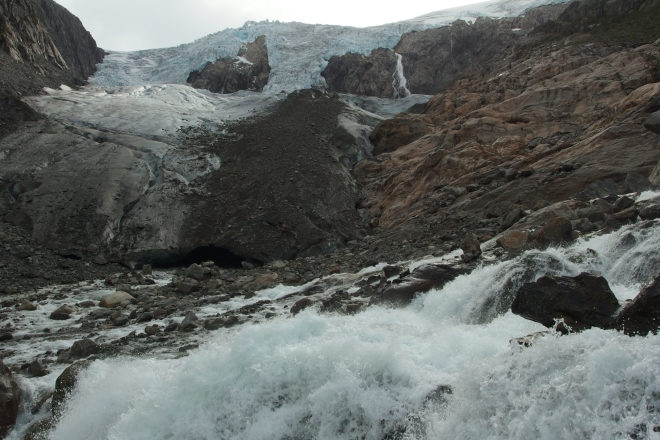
(76, 45)
(401, 130)
(10, 399)
(362, 75)
(579, 302)
(544, 122)
(642, 315)
(249, 70)
(432, 58)
(24, 35)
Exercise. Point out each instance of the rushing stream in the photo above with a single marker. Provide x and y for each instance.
(379, 374)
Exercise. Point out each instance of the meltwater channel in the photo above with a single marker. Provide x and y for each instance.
(385, 373)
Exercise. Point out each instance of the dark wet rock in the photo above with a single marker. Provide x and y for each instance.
(84, 348)
(151, 330)
(6, 336)
(421, 280)
(249, 70)
(100, 313)
(652, 123)
(10, 399)
(582, 302)
(221, 322)
(37, 369)
(623, 203)
(301, 305)
(471, 248)
(650, 212)
(637, 183)
(63, 313)
(189, 323)
(392, 271)
(642, 315)
(65, 384)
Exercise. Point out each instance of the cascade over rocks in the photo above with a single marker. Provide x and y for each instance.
(249, 70)
(421, 280)
(581, 302)
(432, 58)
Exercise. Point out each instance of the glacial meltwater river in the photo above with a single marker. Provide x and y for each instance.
(379, 374)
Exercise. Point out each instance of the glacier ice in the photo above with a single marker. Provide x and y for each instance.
(297, 52)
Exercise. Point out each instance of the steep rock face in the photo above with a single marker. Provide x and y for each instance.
(74, 42)
(360, 75)
(432, 58)
(276, 187)
(23, 36)
(538, 124)
(249, 70)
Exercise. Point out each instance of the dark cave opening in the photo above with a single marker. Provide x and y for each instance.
(222, 257)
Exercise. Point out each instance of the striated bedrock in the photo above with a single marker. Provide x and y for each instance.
(276, 186)
(74, 42)
(432, 58)
(533, 127)
(248, 70)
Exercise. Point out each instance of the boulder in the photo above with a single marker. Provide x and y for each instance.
(650, 212)
(301, 305)
(196, 272)
(423, 279)
(27, 306)
(642, 315)
(652, 123)
(6, 336)
(118, 298)
(189, 323)
(84, 348)
(582, 302)
(65, 384)
(471, 248)
(63, 313)
(10, 399)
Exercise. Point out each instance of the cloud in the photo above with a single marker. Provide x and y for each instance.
(146, 24)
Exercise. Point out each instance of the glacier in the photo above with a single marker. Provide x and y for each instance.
(297, 52)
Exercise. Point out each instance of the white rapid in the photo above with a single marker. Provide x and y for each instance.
(399, 82)
(373, 375)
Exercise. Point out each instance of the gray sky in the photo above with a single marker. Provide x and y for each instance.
(146, 24)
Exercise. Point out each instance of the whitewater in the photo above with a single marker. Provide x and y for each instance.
(444, 367)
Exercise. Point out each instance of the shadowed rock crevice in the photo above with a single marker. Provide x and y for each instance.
(222, 257)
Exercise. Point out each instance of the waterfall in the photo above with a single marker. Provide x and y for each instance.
(399, 82)
(380, 373)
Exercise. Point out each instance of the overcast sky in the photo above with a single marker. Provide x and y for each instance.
(147, 24)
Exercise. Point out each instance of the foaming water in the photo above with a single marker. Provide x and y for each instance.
(327, 376)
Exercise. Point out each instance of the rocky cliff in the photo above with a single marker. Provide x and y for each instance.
(42, 47)
(249, 70)
(553, 118)
(432, 58)
(74, 42)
